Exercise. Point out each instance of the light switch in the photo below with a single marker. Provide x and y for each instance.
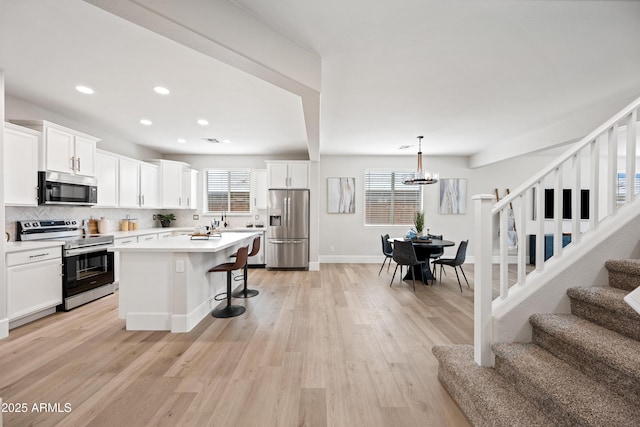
(179, 266)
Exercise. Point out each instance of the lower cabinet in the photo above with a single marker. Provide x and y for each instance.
(34, 281)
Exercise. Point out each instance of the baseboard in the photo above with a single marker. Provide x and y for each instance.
(314, 266)
(148, 321)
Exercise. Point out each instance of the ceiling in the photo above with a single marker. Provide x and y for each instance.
(471, 76)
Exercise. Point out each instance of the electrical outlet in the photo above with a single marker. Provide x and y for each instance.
(155, 217)
(179, 266)
(196, 217)
(257, 217)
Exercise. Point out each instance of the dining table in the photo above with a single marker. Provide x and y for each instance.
(424, 247)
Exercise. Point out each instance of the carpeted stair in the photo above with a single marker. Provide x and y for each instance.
(581, 369)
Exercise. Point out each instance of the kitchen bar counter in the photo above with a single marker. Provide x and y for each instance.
(164, 284)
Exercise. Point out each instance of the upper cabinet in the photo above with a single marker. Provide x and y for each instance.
(189, 188)
(107, 176)
(288, 174)
(259, 189)
(149, 185)
(129, 183)
(171, 183)
(62, 149)
(125, 182)
(20, 165)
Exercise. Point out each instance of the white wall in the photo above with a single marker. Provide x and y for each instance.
(345, 238)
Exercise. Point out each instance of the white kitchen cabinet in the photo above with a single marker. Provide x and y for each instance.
(189, 188)
(149, 185)
(288, 174)
(34, 281)
(148, 237)
(171, 187)
(259, 189)
(20, 165)
(107, 176)
(129, 183)
(62, 149)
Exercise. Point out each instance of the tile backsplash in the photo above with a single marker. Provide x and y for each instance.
(184, 218)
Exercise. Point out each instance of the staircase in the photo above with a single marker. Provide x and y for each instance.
(580, 369)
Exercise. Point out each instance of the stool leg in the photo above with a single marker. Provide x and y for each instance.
(244, 292)
(229, 310)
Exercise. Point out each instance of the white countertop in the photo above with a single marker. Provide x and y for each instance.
(186, 244)
(144, 231)
(27, 246)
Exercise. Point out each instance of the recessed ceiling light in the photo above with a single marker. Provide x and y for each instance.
(226, 141)
(203, 122)
(182, 140)
(84, 89)
(146, 122)
(162, 90)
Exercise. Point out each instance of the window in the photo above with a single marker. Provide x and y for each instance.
(228, 190)
(622, 186)
(387, 201)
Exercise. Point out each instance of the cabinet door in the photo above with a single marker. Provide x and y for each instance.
(189, 188)
(59, 152)
(171, 185)
(128, 183)
(20, 168)
(107, 175)
(85, 153)
(149, 185)
(258, 189)
(298, 175)
(33, 287)
(278, 176)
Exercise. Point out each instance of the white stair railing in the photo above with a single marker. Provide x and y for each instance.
(596, 184)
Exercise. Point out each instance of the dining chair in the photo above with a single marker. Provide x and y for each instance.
(404, 254)
(455, 262)
(437, 252)
(387, 251)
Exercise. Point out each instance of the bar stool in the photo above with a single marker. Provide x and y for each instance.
(248, 293)
(241, 261)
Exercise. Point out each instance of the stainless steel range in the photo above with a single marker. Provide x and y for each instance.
(87, 265)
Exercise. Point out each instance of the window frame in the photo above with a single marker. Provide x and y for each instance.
(228, 171)
(395, 180)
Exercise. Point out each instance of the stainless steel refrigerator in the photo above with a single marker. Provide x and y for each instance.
(288, 229)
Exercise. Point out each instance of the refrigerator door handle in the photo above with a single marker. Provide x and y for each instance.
(277, 242)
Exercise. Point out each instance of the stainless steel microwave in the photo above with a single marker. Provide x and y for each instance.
(65, 189)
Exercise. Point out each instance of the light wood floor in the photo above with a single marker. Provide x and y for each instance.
(337, 347)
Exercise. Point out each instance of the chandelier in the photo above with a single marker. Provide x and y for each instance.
(420, 177)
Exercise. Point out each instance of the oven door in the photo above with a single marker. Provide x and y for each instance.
(86, 269)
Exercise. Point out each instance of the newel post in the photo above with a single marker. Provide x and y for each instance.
(483, 249)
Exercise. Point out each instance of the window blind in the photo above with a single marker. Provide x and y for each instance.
(228, 190)
(388, 201)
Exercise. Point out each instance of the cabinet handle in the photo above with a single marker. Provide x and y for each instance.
(38, 255)
(179, 201)
(143, 200)
(78, 164)
(73, 163)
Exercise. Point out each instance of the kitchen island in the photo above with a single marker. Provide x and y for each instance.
(165, 284)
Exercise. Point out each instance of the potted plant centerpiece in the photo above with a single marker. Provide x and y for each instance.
(165, 220)
(418, 221)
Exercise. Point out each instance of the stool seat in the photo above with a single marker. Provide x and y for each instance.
(244, 292)
(241, 262)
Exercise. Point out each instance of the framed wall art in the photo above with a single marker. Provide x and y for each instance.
(453, 196)
(341, 194)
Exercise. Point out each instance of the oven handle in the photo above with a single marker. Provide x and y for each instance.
(86, 250)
